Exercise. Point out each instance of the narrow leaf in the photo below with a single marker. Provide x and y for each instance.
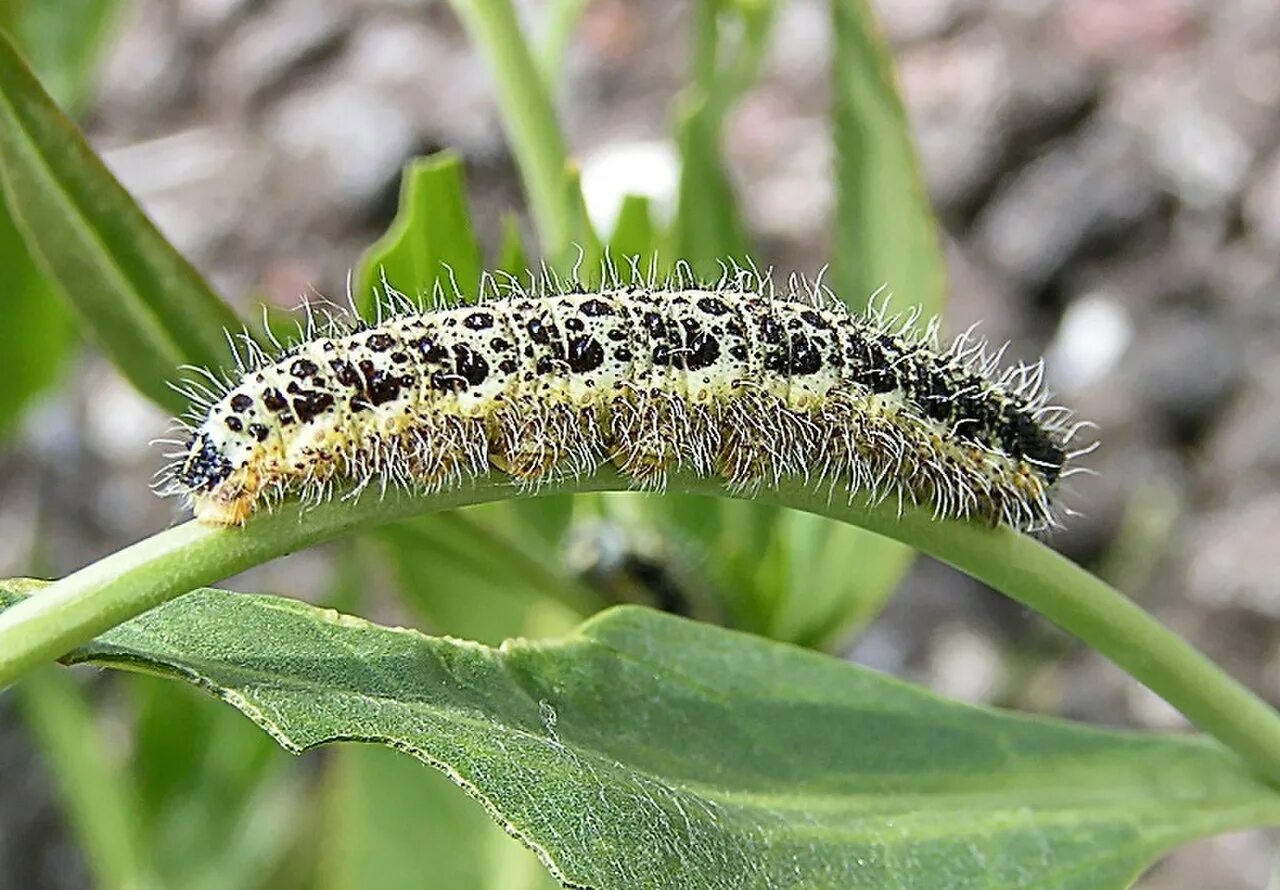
(839, 578)
(646, 751)
(41, 329)
(528, 116)
(512, 258)
(729, 40)
(144, 303)
(885, 232)
(561, 18)
(707, 228)
(633, 234)
(430, 241)
(64, 48)
(448, 575)
(885, 236)
(389, 823)
(222, 806)
(63, 42)
(758, 579)
(94, 796)
(584, 262)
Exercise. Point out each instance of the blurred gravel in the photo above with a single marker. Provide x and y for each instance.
(1113, 163)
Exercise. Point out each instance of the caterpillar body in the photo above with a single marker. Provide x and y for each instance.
(732, 381)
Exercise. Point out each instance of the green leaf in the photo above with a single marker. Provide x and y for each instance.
(837, 579)
(387, 821)
(447, 572)
(633, 233)
(63, 42)
(179, 559)
(528, 116)
(707, 228)
(140, 299)
(430, 241)
(885, 231)
(33, 356)
(560, 20)
(64, 47)
(390, 823)
(759, 579)
(220, 804)
(645, 751)
(584, 263)
(512, 258)
(885, 234)
(96, 800)
(791, 576)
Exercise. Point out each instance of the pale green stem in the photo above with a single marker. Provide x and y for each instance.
(97, 800)
(561, 18)
(73, 610)
(528, 115)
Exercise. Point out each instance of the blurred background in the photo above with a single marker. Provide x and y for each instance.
(1106, 174)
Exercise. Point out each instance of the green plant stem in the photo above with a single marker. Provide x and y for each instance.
(73, 610)
(96, 795)
(562, 17)
(528, 114)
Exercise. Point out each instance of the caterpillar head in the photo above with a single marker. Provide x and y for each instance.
(220, 492)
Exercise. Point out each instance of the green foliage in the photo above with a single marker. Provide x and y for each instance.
(33, 355)
(213, 807)
(885, 233)
(530, 121)
(221, 808)
(145, 304)
(512, 258)
(447, 574)
(391, 824)
(756, 555)
(155, 570)
(444, 564)
(644, 750)
(64, 49)
(430, 242)
(98, 802)
(831, 578)
(62, 41)
(708, 228)
(584, 261)
(561, 18)
(633, 233)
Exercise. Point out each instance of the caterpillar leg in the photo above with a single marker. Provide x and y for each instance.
(743, 462)
(760, 442)
(445, 450)
(644, 441)
(231, 501)
(533, 442)
(645, 459)
(525, 464)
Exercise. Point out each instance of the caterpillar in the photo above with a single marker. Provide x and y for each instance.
(735, 380)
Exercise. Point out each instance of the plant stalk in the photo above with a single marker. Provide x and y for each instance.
(72, 611)
(528, 114)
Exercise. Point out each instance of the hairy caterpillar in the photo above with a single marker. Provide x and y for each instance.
(731, 380)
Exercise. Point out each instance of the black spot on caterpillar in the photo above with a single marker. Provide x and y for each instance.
(730, 380)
